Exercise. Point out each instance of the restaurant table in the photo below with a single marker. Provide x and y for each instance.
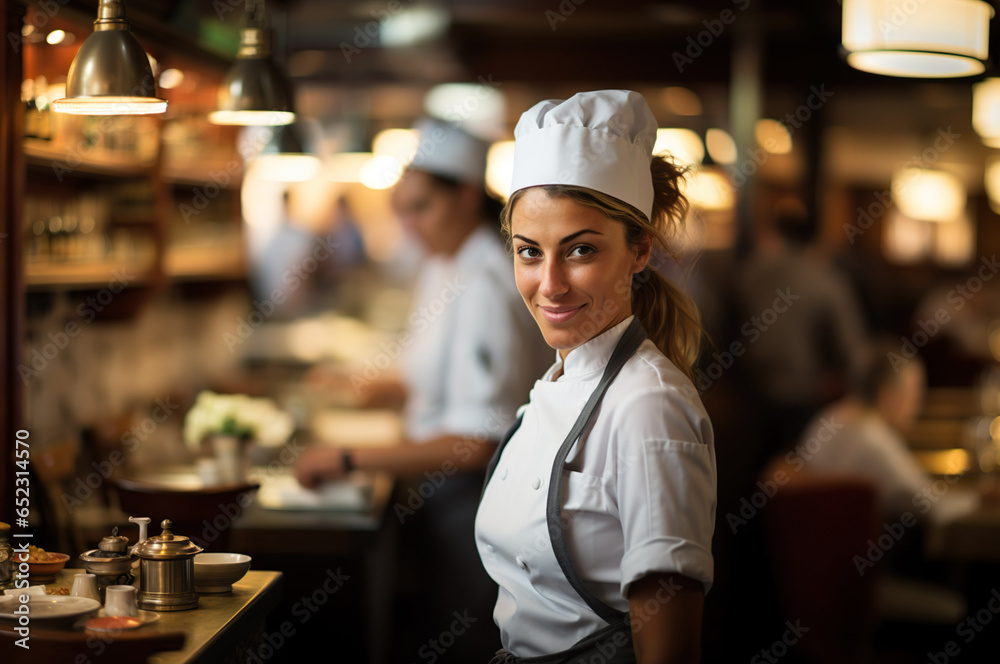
(970, 537)
(312, 545)
(223, 627)
(350, 534)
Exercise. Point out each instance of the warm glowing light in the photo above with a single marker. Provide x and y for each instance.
(928, 194)
(773, 136)
(946, 462)
(905, 240)
(926, 39)
(467, 103)
(346, 166)
(500, 168)
(252, 118)
(986, 110)
(56, 37)
(171, 78)
(399, 143)
(683, 144)
(954, 242)
(413, 26)
(721, 146)
(381, 172)
(709, 190)
(681, 101)
(109, 105)
(992, 182)
(286, 167)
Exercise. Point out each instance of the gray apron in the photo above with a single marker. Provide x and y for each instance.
(613, 643)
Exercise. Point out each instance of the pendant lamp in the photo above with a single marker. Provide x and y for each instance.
(254, 92)
(918, 38)
(110, 74)
(986, 111)
(285, 157)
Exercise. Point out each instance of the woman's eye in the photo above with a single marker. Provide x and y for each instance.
(528, 252)
(581, 250)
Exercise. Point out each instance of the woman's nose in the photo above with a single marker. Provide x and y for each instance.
(554, 282)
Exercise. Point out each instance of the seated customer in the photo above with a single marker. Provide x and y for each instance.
(861, 435)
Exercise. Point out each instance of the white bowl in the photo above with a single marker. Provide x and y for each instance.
(217, 572)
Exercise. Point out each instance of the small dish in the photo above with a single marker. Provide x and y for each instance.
(112, 623)
(45, 572)
(217, 572)
(53, 609)
(145, 617)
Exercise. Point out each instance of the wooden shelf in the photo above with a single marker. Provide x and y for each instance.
(87, 275)
(40, 153)
(193, 263)
(202, 174)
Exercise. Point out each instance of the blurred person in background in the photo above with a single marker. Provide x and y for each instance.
(863, 435)
(471, 354)
(802, 327)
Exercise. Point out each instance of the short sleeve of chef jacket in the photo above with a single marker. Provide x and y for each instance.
(666, 485)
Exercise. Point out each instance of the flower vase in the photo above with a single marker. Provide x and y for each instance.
(230, 458)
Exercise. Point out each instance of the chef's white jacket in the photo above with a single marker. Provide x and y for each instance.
(472, 349)
(639, 494)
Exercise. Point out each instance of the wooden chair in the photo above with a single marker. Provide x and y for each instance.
(204, 515)
(49, 645)
(814, 528)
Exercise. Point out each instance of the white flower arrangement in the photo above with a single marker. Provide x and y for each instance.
(237, 415)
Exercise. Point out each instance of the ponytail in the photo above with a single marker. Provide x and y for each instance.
(668, 314)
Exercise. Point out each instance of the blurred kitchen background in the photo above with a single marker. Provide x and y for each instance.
(140, 255)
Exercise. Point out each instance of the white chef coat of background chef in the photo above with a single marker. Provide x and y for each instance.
(475, 350)
(639, 498)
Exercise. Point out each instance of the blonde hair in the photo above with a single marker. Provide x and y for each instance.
(670, 317)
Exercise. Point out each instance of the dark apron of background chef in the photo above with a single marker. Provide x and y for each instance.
(611, 644)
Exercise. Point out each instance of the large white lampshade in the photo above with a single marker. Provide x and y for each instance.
(919, 38)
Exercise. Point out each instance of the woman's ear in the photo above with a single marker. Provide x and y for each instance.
(643, 251)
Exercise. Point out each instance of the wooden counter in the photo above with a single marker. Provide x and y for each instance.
(223, 626)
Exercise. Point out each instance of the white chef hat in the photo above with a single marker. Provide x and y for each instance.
(445, 149)
(601, 140)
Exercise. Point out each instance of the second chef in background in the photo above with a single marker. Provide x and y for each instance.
(474, 354)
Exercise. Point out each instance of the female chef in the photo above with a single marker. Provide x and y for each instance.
(601, 502)
(468, 363)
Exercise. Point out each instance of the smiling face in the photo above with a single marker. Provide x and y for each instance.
(573, 267)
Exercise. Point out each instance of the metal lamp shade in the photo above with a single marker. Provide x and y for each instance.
(110, 75)
(285, 159)
(254, 92)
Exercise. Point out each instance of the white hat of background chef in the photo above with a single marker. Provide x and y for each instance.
(600, 140)
(445, 149)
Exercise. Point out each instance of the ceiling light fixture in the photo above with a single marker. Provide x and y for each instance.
(285, 157)
(926, 39)
(986, 111)
(254, 91)
(110, 74)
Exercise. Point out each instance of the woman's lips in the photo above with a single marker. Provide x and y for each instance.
(560, 314)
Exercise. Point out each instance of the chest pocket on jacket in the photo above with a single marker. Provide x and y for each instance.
(584, 493)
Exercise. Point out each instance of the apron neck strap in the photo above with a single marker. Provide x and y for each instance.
(629, 343)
